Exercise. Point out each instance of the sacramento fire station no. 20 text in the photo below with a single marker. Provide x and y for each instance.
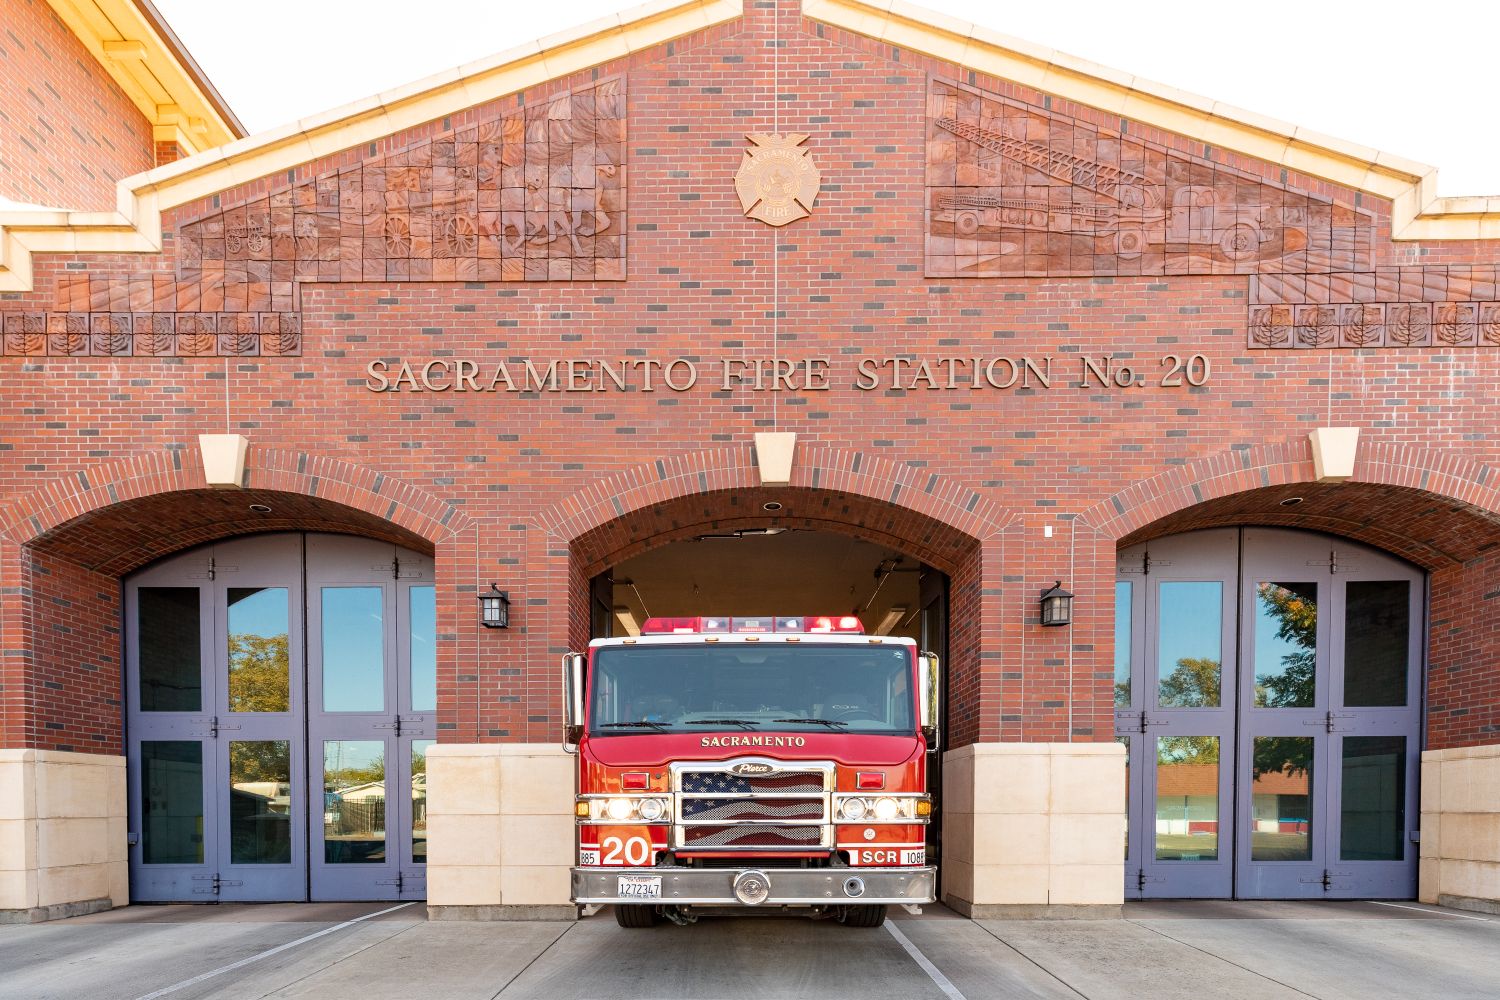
(783, 374)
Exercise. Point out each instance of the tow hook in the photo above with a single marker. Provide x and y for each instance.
(678, 916)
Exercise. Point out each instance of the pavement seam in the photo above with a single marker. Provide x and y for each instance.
(215, 973)
(1221, 958)
(340, 961)
(536, 958)
(942, 982)
(1045, 971)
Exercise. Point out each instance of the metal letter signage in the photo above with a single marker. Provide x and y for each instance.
(777, 182)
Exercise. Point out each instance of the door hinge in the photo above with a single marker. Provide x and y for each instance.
(1325, 880)
(214, 726)
(1330, 722)
(394, 725)
(399, 882)
(215, 883)
(1141, 878)
(1146, 563)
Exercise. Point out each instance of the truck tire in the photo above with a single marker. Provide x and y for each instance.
(862, 916)
(636, 915)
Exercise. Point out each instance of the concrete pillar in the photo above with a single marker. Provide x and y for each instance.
(62, 834)
(499, 831)
(1034, 829)
(1460, 850)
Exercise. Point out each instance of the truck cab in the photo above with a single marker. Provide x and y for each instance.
(728, 764)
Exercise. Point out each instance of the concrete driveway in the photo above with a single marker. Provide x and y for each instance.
(372, 951)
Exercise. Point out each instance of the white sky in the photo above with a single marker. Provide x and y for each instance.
(1414, 79)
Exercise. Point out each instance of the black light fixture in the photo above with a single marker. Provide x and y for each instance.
(1057, 605)
(494, 608)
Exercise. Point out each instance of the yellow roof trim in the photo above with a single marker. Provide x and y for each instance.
(1417, 212)
(139, 51)
(135, 225)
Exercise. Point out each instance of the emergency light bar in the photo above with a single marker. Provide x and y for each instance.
(718, 626)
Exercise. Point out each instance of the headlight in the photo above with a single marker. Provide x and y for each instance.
(885, 809)
(625, 809)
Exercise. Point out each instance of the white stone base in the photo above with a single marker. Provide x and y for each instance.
(1460, 850)
(500, 834)
(62, 834)
(1029, 825)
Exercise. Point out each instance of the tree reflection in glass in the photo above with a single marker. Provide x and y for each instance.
(1286, 645)
(259, 662)
(1189, 644)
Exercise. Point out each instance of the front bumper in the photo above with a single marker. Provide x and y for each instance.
(788, 886)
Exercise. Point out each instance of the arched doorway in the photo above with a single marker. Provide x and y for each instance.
(281, 693)
(1269, 689)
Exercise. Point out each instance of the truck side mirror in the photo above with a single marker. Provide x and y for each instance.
(929, 697)
(573, 673)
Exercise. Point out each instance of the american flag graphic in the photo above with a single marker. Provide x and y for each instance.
(724, 783)
(712, 822)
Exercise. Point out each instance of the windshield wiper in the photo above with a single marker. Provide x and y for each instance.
(830, 723)
(660, 727)
(742, 723)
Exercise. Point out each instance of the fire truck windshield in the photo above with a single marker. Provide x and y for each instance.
(735, 688)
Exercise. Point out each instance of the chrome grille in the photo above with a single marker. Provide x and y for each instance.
(753, 838)
(727, 806)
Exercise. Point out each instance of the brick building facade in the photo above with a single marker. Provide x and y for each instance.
(522, 323)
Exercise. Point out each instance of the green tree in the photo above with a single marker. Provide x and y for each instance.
(259, 673)
(1295, 610)
(259, 681)
(1194, 684)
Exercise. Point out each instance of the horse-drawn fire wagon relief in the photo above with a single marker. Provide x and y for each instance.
(1013, 191)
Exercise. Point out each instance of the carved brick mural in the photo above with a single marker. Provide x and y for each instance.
(1014, 191)
(534, 194)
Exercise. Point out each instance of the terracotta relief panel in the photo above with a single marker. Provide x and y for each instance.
(1015, 191)
(534, 194)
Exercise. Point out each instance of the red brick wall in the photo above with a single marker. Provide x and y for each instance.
(60, 680)
(69, 131)
(533, 475)
(1463, 690)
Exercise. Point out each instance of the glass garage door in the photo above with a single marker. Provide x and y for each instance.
(231, 798)
(1268, 688)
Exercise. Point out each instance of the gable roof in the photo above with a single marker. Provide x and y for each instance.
(139, 50)
(135, 225)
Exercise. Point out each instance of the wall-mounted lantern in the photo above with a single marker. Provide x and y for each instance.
(1057, 605)
(494, 608)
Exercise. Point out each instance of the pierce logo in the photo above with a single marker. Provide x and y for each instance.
(751, 767)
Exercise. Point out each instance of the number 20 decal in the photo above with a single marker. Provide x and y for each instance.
(631, 851)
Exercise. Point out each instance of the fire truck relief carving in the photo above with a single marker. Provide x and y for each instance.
(1016, 191)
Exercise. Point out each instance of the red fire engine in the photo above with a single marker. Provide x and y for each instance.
(738, 763)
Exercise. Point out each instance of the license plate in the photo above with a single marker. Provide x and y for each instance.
(640, 887)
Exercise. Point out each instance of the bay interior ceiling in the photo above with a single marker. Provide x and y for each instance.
(790, 572)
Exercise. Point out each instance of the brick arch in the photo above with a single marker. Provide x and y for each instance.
(117, 516)
(818, 467)
(909, 509)
(1428, 507)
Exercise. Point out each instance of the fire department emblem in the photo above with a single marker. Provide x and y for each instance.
(777, 181)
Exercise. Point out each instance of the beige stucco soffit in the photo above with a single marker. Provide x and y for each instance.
(1417, 212)
(136, 226)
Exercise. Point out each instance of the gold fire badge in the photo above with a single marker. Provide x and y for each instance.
(777, 181)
